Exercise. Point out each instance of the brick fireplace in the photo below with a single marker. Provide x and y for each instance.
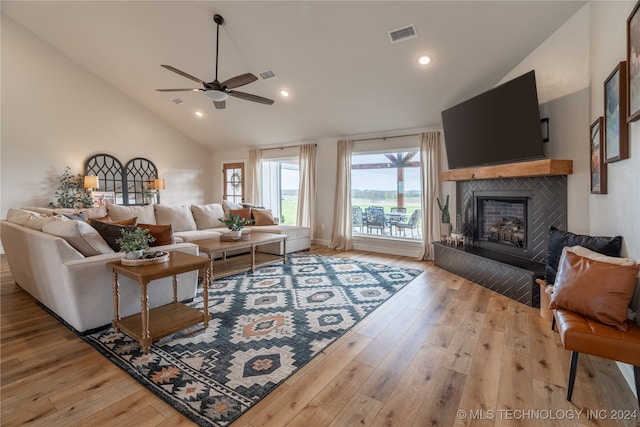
(506, 222)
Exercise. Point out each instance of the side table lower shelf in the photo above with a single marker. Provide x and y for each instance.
(164, 320)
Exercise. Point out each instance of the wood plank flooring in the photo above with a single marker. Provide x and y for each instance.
(441, 352)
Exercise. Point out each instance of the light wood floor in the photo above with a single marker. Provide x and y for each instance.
(441, 352)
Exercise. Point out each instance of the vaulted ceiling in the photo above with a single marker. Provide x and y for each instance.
(335, 58)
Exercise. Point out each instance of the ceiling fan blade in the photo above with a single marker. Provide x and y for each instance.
(179, 90)
(220, 105)
(240, 80)
(183, 74)
(250, 97)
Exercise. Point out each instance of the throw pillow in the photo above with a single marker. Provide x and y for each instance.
(558, 239)
(206, 216)
(82, 236)
(79, 216)
(227, 206)
(179, 216)
(162, 233)
(263, 217)
(597, 290)
(111, 232)
(244, 213)
(107, 218)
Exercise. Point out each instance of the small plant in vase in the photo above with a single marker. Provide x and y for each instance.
(133, 243)
(235, 224)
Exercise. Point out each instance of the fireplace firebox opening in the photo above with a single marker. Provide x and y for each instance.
(502, 221)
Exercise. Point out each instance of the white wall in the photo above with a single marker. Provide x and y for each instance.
(616, 212)
(57, 114)
(562, 75)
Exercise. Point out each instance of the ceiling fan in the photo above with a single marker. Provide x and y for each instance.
(216, 91)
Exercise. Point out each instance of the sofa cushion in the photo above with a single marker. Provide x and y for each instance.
(95, 212)
(293, 232)
(180, 217)
(227, 206)
(30, 219)
(111, 232)
(193, 235)
(41, 211)
(82, 236)
(597, 290)
(162, 233)
(145, 214)
(206, 216)
(263, 217)
(558, 239)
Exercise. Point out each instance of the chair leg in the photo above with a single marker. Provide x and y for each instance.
(572, 373)
(636, 375)
(553, 322)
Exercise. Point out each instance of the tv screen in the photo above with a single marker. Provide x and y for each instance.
(501, 125)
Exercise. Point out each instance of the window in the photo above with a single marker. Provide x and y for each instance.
(385, 194)
(279, 188)
(233, 182)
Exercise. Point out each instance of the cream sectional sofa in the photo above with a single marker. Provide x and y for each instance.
(62, 262)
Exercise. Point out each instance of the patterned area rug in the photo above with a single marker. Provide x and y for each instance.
(265, 326)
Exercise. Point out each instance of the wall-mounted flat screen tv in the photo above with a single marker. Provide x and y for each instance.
(499, 126)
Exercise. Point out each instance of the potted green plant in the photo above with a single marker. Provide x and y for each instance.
(133, 243)
(71, 192)
(445, 222)
(235, 224)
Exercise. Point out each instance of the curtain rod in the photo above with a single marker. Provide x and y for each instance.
(282, 148)
(385, 137)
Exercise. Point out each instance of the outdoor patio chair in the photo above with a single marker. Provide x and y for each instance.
(411, 224)
(375, 219)
(357, 217)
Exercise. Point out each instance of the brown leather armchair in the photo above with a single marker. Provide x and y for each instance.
(583, 335)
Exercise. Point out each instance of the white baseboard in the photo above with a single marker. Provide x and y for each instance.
(382, 245)
(627, 373)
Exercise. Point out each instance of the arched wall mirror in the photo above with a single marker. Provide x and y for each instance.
(132, 184)
(141, 174)
(110, 175)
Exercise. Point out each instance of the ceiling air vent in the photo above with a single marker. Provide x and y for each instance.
(269, 74)
(404, 33)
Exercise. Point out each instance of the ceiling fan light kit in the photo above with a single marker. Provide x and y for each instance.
(216, 95)
(216, 91)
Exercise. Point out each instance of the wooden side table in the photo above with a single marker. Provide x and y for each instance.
(149, 325)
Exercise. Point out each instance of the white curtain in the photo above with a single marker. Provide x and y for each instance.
(253, 191)
(429, 171)
(342, 218)
(307, 188)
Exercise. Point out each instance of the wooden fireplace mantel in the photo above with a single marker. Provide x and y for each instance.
(545, 167)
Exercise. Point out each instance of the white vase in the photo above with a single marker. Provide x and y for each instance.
(134, 255)
(445, 230)
(235, 233)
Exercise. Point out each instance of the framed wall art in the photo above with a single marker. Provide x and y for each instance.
(598, 167)
(616, 143)
(633, 64)
(103, 198)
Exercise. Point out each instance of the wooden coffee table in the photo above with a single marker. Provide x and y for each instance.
(150, 325)
(239, 263)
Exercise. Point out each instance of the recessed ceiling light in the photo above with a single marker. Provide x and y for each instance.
(284, 93)
(424, 60)
(199, 114)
